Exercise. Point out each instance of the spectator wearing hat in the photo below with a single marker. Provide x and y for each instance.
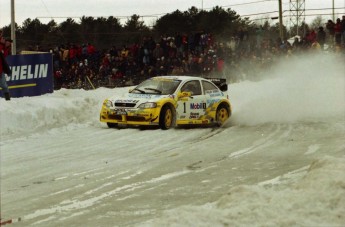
(4, 68)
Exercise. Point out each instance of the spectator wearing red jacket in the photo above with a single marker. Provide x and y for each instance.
(90, 49)
(73, 52)
(91, 52)
(311, 36)
(4, 68)
(337, 32)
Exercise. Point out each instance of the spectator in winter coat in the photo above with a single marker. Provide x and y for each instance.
(72, 54)
(84, 52)
(330, 27)
(90, 49)
(65, 54)
(4, 68)
(311, 36)
(337, 32)
(343, 29)
(321, 37)
(157, 53)
(124, 52)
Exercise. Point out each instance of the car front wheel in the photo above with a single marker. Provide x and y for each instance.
(166, 118)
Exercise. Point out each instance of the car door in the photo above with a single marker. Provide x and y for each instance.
(193, 107)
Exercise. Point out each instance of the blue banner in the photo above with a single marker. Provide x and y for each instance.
(32, 74)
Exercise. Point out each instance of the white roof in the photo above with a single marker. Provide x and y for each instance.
(181, 77)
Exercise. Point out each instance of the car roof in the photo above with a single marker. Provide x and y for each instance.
(183, 78)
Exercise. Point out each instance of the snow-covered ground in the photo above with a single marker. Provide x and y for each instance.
(279, 160)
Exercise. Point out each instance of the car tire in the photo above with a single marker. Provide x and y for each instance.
(222, 115)
(166, 118)
(112, 125)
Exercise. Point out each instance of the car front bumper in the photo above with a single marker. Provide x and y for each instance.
(130, 116)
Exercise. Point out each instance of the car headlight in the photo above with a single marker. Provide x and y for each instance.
(109, 104)
(147, 105)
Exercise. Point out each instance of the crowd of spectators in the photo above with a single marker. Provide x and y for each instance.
(198, 54)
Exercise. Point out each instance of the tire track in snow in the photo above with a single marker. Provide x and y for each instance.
(77, 205)
(261, 143)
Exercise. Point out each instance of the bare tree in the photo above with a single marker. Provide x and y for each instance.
(317, 22)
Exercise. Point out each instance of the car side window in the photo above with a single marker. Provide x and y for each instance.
(208, 86)
(193, 87)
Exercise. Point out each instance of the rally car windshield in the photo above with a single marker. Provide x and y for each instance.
(157, 86)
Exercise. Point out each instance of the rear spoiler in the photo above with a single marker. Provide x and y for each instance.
(220, 83)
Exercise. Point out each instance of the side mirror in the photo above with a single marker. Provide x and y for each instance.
(184, 94)
(224, 87)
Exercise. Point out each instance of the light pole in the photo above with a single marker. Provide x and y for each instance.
(333, 10)
(13, 29)
(281, 20)
(297, 13)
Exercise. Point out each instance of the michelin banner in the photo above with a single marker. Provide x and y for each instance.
(32, 74)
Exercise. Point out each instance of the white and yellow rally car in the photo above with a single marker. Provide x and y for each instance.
(168, 101)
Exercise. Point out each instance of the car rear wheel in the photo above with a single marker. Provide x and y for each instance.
(112, 125)
(166, 118)
(222, 115)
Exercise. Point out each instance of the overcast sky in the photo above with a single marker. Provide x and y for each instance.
(59, 10)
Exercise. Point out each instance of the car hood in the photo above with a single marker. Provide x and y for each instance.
(134, 100)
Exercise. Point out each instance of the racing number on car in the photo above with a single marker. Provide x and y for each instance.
(193, 109)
